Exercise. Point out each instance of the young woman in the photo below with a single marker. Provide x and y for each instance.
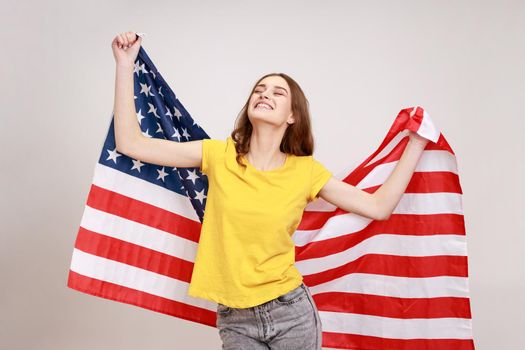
(260, 180)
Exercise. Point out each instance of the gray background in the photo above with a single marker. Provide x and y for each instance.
(358, 62)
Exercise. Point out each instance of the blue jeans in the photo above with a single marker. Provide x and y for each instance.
(290, 321)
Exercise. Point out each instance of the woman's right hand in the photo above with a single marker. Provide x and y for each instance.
(125, 48)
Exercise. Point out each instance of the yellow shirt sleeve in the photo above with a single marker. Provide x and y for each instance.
(205, 150)
(319, 177)
(210, 149)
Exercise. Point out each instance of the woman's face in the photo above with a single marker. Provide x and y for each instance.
(271, 102)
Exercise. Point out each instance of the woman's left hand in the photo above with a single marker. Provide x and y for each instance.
(417, 139)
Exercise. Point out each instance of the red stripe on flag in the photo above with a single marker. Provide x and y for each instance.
(394, 265)
(134, 255)
(144, 213)
(145, 300)
(377, 305)
(399, 224)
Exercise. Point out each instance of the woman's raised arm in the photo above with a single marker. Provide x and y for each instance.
(128, 136)
(380, 204)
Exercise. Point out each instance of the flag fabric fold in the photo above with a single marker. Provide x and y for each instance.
(400, 283)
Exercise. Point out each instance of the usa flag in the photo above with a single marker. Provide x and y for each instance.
(400, 283)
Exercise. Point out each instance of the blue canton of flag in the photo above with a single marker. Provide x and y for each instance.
(160, 115)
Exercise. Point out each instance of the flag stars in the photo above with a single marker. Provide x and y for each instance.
(176, 134)
(168, 112)
(113, 154)
(145, 88)
(140, 117)
(199, 195)
(177, 113)
(160, 92)
(145, 133)
(192, 175)
(185, 134)
(153, 110)
(159, 129)
(137, 164)
(138, 67)
(162, 174)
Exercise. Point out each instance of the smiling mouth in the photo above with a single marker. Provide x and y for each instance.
(263, 106)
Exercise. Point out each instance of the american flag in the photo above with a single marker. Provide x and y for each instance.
(400, 283)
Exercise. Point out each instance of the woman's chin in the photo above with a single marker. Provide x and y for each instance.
(266, 118)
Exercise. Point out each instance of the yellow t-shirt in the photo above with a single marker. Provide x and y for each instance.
(246, 254)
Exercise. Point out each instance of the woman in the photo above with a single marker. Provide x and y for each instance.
(260, 180)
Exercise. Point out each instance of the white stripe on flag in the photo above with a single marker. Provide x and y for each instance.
(430, 161)
(389, 244)
(144, 191)
(399, 287)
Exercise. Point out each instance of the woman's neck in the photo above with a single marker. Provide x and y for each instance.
(265, 153)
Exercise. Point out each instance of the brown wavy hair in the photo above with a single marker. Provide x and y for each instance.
(297, 139)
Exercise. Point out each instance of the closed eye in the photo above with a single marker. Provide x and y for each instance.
(276, 93)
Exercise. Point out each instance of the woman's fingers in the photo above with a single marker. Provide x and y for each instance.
(125, 40)
(120, 40)
(131, 37)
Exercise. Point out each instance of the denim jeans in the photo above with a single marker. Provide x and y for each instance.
(290, 321)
